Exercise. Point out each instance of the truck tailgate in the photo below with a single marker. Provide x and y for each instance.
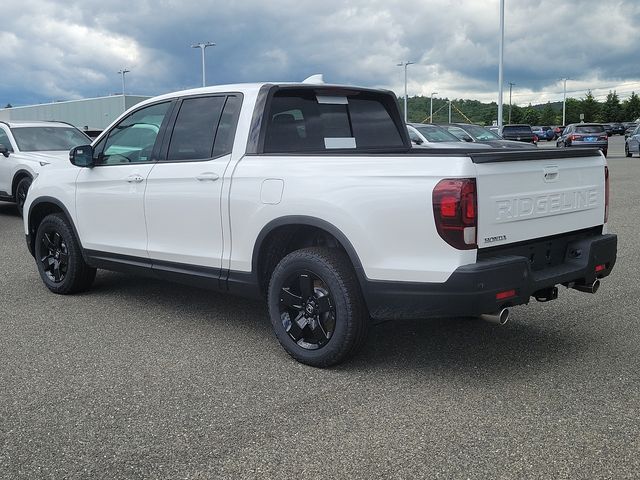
(526, 199)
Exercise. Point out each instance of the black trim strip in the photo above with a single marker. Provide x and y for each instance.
(518, 155)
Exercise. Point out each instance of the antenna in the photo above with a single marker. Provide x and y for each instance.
(316, 79)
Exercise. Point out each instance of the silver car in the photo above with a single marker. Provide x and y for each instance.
(632, 142)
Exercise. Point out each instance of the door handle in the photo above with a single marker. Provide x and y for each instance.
(135, 178)
(208, 176)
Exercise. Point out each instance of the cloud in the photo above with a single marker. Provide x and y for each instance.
(54, 49)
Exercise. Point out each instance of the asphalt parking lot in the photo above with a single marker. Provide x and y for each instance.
(142, 379)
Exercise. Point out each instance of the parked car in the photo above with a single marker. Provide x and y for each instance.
(426, 135)
(29, 146)
(617, 129)
(585, 135)
(311, 197)
(632, 142)
(630, 127)
(518, 133)
(608, 128)
(543, 133)
(477, 134)
(557, 130)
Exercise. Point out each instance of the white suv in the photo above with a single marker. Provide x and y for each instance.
(26, 147)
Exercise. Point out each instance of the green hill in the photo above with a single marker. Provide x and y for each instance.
(474, 111)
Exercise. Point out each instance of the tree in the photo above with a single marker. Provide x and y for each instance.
(631, 107)
(530, 116)
(8, 105)
(573, 110)
(548, 116)
(611, 111)
(590, 107)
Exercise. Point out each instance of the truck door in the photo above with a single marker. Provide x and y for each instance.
(183, 195)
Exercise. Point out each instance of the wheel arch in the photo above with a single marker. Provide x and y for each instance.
(19, 175)
(39, 209)
(286, 231)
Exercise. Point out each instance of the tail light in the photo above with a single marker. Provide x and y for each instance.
(575, 137)
(606, 194)
(455, 212)
(603, 137)
(535, 138)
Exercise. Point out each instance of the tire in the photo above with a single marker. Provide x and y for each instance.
(627, 153)
(604, 152)
(332, 323)
(59, 257)
(22, 188)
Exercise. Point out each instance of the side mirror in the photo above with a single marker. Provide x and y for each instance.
(417, 141)
(82, 156)
(467, 139)
(4, 150)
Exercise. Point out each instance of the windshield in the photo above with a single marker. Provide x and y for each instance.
(435, 134)
(41, 139)
(589, 129)
(481, 133)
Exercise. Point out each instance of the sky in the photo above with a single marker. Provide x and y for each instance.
(54, 50)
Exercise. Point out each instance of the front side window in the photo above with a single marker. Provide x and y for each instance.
(4, 140)
(47, 139)
(306, 120)
(132, 140)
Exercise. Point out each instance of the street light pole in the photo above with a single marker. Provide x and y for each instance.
(431, 107)
(406, 95)
(501, 64)
(564, 101)
(511, 84)
(449, 111)
(124, 101)
(203, 46)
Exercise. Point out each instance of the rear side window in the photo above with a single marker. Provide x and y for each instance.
(195, 128)
(589, 129)
(307, 120)
(227, 127)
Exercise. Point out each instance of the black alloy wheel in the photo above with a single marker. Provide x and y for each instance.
(54, 255)
(307, 310)
(316, 306)
(59, 257)
(21, 193)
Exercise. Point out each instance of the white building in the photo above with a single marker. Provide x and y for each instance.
(89, 113)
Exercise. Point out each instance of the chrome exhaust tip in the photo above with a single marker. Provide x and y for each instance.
(500, 318)
(593, 288)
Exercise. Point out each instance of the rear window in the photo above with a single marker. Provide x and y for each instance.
(589, 129)
(309, 120)
(516, 129)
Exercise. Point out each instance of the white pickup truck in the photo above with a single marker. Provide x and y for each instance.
(310, 195)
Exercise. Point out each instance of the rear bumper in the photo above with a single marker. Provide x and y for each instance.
(471, 289)
(600, 145)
